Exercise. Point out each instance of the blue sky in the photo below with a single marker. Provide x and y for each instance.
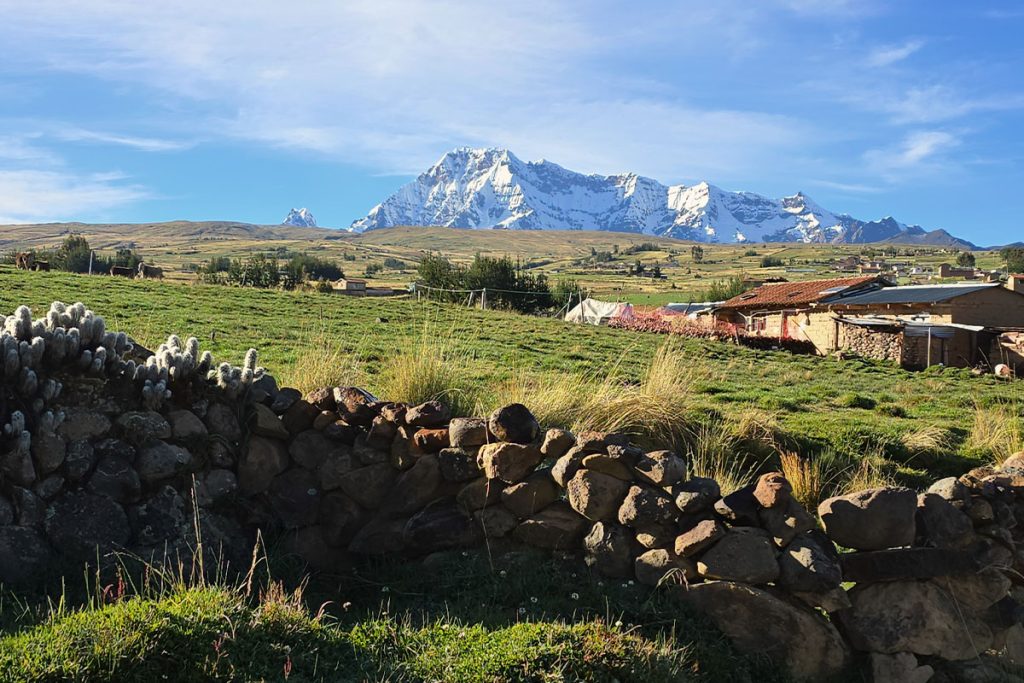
(241, 109)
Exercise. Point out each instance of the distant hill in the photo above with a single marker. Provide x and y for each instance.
(492, 188)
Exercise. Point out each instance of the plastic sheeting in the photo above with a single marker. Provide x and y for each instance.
(594, 312)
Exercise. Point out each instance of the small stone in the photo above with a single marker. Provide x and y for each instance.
(139, 427)
(430, 415)
(696, 495)
(596, 496)
(608, 465)
(608, 549)
(661, 468)
(980, 510)
(510, 462)
(657, 536)
(29, 509)
(264, 422)
(772, 490)
(557, 443)
(556, 527)
(159, 460)
(658, 566)
(699, 537)
(264, 460)
(874, 519)
(532, 495)
(17, 466)
(185, 426)
(514, 423)
(746, 555)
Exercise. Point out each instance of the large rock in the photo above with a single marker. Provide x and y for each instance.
(382, 433)
(159, 520)
(745, 555)
(264, 422)
(284, 399)
(608, 548)
(115, 478)
(557, 443)
(338, 463)
(701, 536)
(660, 468)
(299, 417)
(760, 624)
(415, 487)
(912, 616)
(354, 405)
(218, 485)
(380, 536)
(532, 495)
(49, 451)
(369, 485)
(467, 432)
(430, 415)
(458, 464)
(907, 563)
(874, 519)
(24, 555)
(16, 466)
(311, 544)
(495, 521)
(510, 462)
(340, 518)
(310, 448)
(772, 489)
(810, 564)
(696, 495)
(264, 460)
(556, 527)
(566, 467)
(439, 526)
(645, 507)
(659, 565)
(79, 523)
(479, 494)
(899, 668)
(140, 427)
(82, 424)
(786, 521)
(613, 467)
(739, 508)
(431, 440)
(975, 592)
(158, 460)
(295, 498)
(185, 426)
(80, 459)
(596, 496)
(514, 423)
(941, 524)
(30, 509)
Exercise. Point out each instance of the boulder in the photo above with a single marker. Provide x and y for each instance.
(479, 494)
(160, 520)
(185, 426)
(158, 460)
(510, 462)
(431, 440)
(430, 415)
(772, 490)
(557, 443)
(746, 555)
(25, 555)
(911, 616)
(760, 624)
(340, 518)
(284, 399)
(739, 507)
(309, 449)
(596, 496)
(660, 468)
(830, 601)
(608, 548)
(556, 527)
(514, 423)
(874, 519)
(941, 524)
(458, 464)
(907, 563)
(48, 451)
(295, 498)
(786, 521)
(369, 485)
(566, 467)
(337, 463)
(264, 422)
(899, 668)
(950, 489)
(82, 424)
(495, 521)
(80, 459)
(322, 398)
(139, 427)
(701, 536)
(647, 507)
(79, 523)
(606, 464)
(810, 564)
(415, 487)
(299, 417)
(659, 565)
(380, 536)
(974, 592)
(467, 432)
(439, 526)
(531, 495)
(264, 460)
(115, 478)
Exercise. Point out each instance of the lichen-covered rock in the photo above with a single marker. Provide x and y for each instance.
(428, 415)
(218, 485)
(556, 527)
(760, 624)
(79, 523)
(83, 423)
(647, 507)
(284, 399)
(531, 495)
(382, 433)
(509, 462)
(514, 423)
(608, 548)
(322, 398)
(264, 459)
(158, 461)
(743, 554)
(185, 426)
(159, 520)
(874, 519)
(139, 427)
(458, 464)
(596, 496)
(661, 468)
(354, 405)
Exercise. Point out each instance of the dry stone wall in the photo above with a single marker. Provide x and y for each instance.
(125, 459)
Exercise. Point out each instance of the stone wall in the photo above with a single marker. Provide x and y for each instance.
(872, 343)
(338, 474)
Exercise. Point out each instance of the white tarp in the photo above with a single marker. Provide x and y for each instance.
(594, 312)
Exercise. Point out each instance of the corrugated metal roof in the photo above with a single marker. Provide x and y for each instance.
(788, 294)
(911, 294)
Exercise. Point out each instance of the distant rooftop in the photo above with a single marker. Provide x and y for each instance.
(797, 293)
(914, 294)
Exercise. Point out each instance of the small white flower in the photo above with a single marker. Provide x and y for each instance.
(385, 589)
(631, 583)
(533, 600)
(503, 573)
(522, 610)
(575, 596)
(618, 624)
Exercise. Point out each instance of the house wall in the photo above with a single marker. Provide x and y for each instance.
(871, 343)
(993, 307)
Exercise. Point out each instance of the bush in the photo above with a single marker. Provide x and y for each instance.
(771, 262)
(508, 285)
(857, 401)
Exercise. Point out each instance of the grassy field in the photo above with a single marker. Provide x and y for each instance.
(180, 246)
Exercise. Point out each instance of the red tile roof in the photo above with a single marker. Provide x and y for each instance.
(789, 294)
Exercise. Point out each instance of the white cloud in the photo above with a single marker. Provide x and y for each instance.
(918, 152)
(33, 196)
(891, 54)
(143, 144)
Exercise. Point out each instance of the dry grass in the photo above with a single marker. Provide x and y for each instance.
(720, 451)
(869, 473)
(322, 363)
(997, 431)
(928, 439)
(807, 476)
(429, 368)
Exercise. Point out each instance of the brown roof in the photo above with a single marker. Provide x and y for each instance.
(788, 294)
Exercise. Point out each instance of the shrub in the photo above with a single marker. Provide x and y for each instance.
(771, 262)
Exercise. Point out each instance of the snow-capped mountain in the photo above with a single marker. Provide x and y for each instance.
(301, 218)
(492, 188)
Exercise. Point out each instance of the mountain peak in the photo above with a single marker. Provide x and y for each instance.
(301, 218)
(471, 187)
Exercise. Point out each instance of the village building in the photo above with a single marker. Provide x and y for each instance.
(917, 326)
(947, 271)
(350, 285)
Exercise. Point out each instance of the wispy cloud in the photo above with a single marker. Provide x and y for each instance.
(918, 152)
(143, 144)
(852, 188)
(28, 196)
(891, 54)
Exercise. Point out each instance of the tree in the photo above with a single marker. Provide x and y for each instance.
(771, 262)
(965, 259)
(1014, 257)
(697, 253)
(656, 272)
(73, 254)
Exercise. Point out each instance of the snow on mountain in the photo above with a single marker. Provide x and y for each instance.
(301, 218)
(492, 188)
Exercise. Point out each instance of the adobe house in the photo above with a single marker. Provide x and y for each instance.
(350, 285)
(916, 326)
